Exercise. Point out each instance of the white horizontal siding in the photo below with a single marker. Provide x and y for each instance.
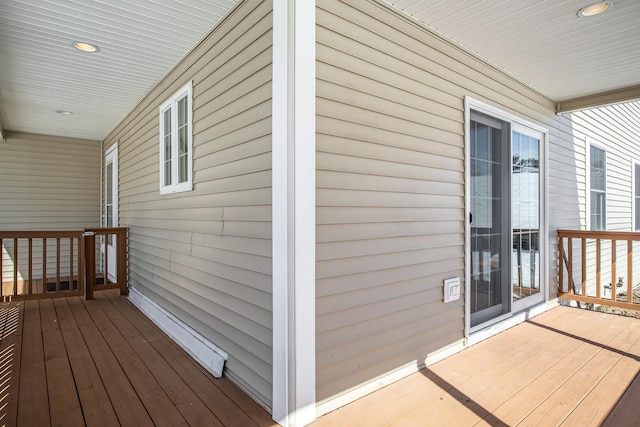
(205, 255)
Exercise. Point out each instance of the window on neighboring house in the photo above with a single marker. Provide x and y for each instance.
(598, 187)
(636, 196)
(176, 168)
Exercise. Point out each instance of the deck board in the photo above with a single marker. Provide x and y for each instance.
(155, 400)
(11, 321)
(565, 367)
(96, 363)
(231, 410)
(33, 376)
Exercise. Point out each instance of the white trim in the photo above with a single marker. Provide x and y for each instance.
(476, 105)
(172, 102)
(634, 163)
(112, 154)
(358, 392)
(280, 214)
(293, 212)
(206, 353)
(467, 223)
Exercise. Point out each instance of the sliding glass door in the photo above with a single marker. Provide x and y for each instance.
(505, 217)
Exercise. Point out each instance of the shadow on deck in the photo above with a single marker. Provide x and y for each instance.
(73, 362)
(565, 367)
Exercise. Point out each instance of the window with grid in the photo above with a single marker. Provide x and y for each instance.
(598, 187)
(176, 142)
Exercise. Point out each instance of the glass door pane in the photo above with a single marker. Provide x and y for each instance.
(525, 214)
(490, 230)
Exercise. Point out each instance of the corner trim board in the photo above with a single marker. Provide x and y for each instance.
(206, 353)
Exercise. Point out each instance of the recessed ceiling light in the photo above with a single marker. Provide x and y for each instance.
(64, 112)
(595, 9)
(86, 47)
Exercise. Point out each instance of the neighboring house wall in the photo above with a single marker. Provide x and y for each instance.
(205, 255)
(46, 183)
(391, 190)
(616, 129)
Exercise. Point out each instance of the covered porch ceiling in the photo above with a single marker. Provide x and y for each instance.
(577, 62)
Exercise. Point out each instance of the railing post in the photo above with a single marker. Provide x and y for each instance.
(121, 262)
(90, 262)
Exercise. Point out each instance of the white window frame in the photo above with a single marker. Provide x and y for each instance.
(175, 187)
(602, 147)
(634, 212)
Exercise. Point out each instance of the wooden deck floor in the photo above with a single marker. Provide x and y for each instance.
(70, 362)
(566, 367)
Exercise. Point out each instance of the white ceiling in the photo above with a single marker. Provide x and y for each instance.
(139, 41)
(541, 42)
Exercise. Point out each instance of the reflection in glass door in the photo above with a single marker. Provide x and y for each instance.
(525, 213)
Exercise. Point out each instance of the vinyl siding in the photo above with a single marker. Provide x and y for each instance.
(205, 255)
(616, 128)
(391, 187)
(46, 183)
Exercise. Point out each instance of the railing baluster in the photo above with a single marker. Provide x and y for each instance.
(583, 242)
(613, 269)
(44, 265)
(105, 270)
(570, 263)
(15, 266)
(57, 265)
(30, 287)
(630, 271)
(81, 266)
(71, 263)
(598, 266)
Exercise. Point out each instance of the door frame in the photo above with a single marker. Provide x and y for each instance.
(476, 105)
(110, 156)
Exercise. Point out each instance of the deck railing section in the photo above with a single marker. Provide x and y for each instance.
(597, 267)
(45, 264)
(99, 274)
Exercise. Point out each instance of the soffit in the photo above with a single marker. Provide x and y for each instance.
(139, 42)
(543, 43)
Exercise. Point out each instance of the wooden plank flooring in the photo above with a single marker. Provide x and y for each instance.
(567, 367)
(70, 362)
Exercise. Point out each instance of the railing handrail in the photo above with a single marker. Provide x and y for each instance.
(592, 234)
(39, 234)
